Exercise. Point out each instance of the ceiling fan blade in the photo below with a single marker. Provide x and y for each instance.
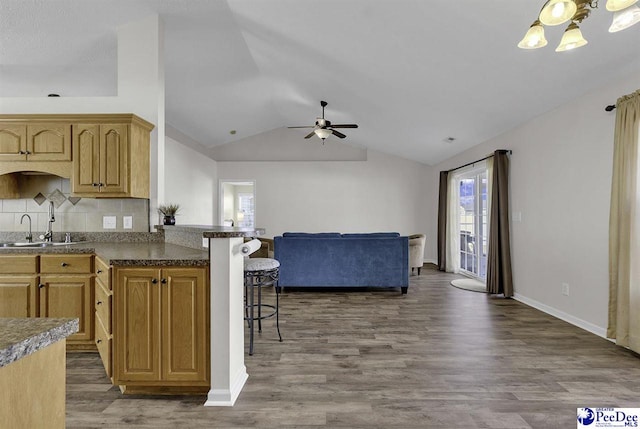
(338, 134)
(344, 126)
(303, 126)
(311, 134)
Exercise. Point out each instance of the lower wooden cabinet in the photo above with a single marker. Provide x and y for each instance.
(18, 296)
(161, 330)
(51, 285)
(69, 296)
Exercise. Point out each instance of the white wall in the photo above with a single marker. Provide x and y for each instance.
(560, 183)
(191, 181)
(384, 193)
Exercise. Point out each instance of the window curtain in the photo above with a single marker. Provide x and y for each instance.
(499, 276)
(452, 228)
(442, 221)
(624, 227)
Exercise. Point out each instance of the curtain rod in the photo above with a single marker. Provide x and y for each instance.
(478, 160)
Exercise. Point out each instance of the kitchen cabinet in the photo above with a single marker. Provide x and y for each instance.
(66, 290)
(18, 280)
(35, 142)
(161, 330)
(111, 160)
(104, 155)
(103, 314)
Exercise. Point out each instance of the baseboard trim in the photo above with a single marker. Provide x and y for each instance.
(583, 324)
(224, 397)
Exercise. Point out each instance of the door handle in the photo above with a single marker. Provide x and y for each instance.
(154, 281)
(163, 281)
(64, 264)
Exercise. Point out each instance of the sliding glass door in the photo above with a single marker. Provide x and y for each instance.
(472, 217)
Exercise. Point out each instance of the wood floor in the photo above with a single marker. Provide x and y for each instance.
(438, 357)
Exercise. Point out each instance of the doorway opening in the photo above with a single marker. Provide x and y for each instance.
(473, 212)
(237, 203)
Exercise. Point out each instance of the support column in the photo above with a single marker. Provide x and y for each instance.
(228, 372)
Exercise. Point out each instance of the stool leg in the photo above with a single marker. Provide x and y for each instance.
(278, 311)
(251, 318)
(260, 281)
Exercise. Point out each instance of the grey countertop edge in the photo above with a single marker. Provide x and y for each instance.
(215, 231)
(48, 331)
(158, 262)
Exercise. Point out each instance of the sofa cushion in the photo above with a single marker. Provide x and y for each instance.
(311, 235)
(372, 235)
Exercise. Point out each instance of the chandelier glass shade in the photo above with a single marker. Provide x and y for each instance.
(534, 38)
(555, 12)
(625, 18)
(571, 39)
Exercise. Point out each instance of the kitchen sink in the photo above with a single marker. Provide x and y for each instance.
(37, 244)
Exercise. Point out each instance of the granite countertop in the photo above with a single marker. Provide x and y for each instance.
(22, 337)
(126, 254)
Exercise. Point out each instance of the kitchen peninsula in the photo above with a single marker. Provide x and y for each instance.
(165, 318)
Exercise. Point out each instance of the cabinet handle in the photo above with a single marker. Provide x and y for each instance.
(163, 281)
(99, 272)
(98, 341)
(94, 184)
(26, 152)
(101, 184)
(40, 286)
(99, 303)
(64, 264)
(154, 281)
(21, 152)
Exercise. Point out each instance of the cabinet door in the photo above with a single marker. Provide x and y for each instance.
(86, 158)
(68, 296)
(18, 296)
(13, 142)
(48, 142)
(136, 325)
(113, 158)
(185, 324)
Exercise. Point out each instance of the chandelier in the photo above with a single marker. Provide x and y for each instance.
(556, 12)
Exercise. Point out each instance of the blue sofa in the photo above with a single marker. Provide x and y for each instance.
(333, 259)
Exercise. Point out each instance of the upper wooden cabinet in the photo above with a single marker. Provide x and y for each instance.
(104, 155)
(35, 142)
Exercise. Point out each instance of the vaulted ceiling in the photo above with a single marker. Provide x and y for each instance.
(410, 73)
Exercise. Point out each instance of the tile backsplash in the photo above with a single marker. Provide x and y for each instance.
(72, 214)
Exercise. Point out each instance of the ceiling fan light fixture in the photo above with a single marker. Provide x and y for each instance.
(534, 38)
(556, 12)
(323, 133)
(571, 39)
(616, 5)
(623, 19)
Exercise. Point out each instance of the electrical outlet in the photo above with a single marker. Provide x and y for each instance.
(565, 289)
(205, 242)
(108, 222)
(127, 222)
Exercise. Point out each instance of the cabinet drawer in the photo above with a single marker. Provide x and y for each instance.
(18, 264)
(103, 307)
(65, 264)
(102, 273)
(103, 343)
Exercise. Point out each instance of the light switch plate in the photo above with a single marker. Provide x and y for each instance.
(205, 242)
(108, 222)
(127, 222)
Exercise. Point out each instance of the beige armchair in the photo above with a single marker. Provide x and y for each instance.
(416, 251)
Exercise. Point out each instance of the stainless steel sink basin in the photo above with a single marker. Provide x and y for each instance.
(37, 244)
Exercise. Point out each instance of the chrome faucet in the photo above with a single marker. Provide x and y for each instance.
(48, 235)
(29, 236)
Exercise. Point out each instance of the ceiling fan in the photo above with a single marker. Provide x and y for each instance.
(323, 128)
